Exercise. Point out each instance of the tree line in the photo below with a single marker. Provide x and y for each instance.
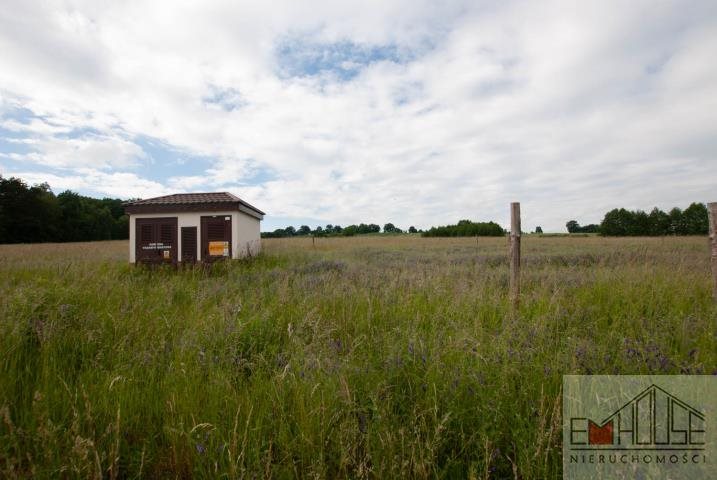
(464, 228)
(574, 227)
(30, 214)
(335, 230)
(617, 222)
(467, 228)
(694, 220)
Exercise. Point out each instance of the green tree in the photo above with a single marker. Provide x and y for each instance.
(466, 228)
(573, 226)
(616, 222)
(27, 214)
(591, 228)
(677, 222)
(692, 221)
(639, 224)
(659, 222)
(696, 219)
(389, 228)
(35, 214)
(120, 229)
(76, 217)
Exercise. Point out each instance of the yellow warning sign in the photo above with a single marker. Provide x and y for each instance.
(219, 249)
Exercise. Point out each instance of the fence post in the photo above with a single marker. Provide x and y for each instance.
(515, 254)
(712, 210)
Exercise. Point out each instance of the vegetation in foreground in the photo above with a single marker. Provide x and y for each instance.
(377, 357)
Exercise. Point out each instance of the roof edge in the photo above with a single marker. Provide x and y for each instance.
(252, 207)
(240, 206)
(168, 203)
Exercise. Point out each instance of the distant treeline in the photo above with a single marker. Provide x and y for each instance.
(693, 220)
(334, 230)
(30, 214)
(35, 214)
(466, 228)
(574, 227)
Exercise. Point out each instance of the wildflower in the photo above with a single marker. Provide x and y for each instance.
(336, 345)
(362, 422)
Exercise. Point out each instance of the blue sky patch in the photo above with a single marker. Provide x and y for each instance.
(260, 175)
(164, 161)
(228, 99)
(301, 57)
(11, 143)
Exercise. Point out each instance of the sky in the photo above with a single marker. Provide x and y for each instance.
(406, 111)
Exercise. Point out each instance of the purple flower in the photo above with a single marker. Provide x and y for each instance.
(336, 345)
(362, 422)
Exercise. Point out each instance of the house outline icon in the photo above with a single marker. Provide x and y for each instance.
(613, 429)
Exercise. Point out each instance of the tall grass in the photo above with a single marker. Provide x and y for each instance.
(355, 357)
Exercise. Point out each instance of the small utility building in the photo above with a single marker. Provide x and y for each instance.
(192, 227)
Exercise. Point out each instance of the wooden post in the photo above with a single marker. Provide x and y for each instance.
(712, 211)
(515, 254)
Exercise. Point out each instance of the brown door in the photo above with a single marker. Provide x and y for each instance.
(189, 244)
(216, 237)
(156, 240)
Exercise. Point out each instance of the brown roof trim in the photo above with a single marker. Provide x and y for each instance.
(193, 202)
(202, 197)
(194, 207)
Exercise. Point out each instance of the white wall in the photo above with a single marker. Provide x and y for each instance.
(245, 231)
(248, 235)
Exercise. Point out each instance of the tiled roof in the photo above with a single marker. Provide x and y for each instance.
(194, 199)
(188, 198)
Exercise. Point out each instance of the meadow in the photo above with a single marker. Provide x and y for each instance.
(361, 357)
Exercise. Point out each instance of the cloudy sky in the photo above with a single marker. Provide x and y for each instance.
(419, 113)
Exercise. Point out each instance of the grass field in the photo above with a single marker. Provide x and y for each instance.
(375, 357)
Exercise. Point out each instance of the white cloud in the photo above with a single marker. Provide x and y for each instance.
(571, 108)
(35, 126)
(187, 183)
(116, 184)
(91, 151)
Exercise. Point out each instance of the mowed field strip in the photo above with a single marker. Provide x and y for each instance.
(369, 356)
